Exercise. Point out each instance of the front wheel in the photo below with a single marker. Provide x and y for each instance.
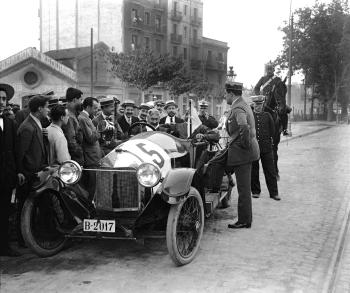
(40, 219)
(185, 228)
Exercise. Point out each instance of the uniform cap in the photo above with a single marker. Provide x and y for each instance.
(258, 99)
(233, 86)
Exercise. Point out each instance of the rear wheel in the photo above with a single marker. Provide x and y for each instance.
(40, 219)
(185, 228)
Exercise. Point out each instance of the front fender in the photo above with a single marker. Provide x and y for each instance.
(176, 184)
(51, 183)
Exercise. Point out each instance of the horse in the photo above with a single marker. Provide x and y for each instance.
(275, 104)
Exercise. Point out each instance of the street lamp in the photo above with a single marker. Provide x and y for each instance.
(231, 75)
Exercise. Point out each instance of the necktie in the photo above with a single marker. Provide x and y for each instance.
(172, 120)
(129, 120)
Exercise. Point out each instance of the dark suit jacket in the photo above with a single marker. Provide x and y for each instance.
(31, 151)
(8, 170)
(243, 146)
(177, 120)
(21, 115)
(124, 124)
(91, 146)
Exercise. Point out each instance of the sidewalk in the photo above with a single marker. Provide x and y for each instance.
(303, 128)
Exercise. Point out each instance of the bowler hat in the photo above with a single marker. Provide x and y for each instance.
(72, 93)
(8, 90)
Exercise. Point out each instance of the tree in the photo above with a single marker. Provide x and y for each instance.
(317, 34)
(144, 69)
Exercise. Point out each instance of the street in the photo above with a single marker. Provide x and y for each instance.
(291, 247)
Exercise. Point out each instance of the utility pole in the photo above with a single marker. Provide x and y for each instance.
(289, 97)
(305, 118)
(92, 62)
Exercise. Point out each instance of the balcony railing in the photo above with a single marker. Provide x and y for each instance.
(176, 39)
(176, 15)
(196, 21)
(195, 63)
(137, 22)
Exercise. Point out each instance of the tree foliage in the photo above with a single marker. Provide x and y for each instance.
(144, 69)
(320, 47)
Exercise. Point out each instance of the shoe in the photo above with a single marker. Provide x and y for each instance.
(8, 251)
(276, 197)
(286, 133)
(256, 195)
(239, 225)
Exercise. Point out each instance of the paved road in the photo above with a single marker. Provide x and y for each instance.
(290, 247)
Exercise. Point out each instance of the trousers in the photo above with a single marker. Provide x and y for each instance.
(267, 162)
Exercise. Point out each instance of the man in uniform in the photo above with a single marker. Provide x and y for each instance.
(207, 120)
(265, 87)
(242, 150)
(106, 125)
(265, 129)
(128, 118)
(8, 169)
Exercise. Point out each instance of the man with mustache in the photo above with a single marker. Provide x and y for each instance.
(128, 118)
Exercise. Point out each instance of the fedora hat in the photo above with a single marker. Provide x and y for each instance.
(9, 90)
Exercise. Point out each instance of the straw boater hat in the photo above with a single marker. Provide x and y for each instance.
(159, 103)
(8, 90)
(170, 103)
(128, 103)
(144, 106)
(107, 101)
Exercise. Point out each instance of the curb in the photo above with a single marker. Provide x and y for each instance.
(306, 134)
(336, 261)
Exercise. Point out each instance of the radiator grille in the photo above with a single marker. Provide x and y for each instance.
(117, 190)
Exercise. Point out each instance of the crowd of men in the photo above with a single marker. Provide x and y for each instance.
(50, 131)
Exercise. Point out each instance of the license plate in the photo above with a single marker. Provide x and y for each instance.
(99, 226)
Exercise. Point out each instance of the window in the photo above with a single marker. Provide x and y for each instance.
(134, 15)
(134, 42)
(195, 34)
(185, 54)
(147, 43)
(220, 56)
(209, 56)
(174, 28)
(158, 23)
(158, 46)
(147, 18)
(185, 10)
(195, 13)
(185, 32)
(175, 51)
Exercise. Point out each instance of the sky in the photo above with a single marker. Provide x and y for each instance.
(250, 27)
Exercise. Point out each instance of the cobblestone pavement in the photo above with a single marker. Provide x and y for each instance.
(289, 248)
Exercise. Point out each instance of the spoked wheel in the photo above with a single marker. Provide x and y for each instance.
(40, 220)
(185, 228)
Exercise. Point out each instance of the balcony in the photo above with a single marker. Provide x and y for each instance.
(176, 15)
(176, 39)
(196, 42)
(159, 30)
(196, 21)
(196, 64)
(136, 23)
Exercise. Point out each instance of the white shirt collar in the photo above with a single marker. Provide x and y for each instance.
(37, 121)
(86, 113)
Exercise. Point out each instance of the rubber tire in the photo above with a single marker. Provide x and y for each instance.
(27, 231)
(173, 217)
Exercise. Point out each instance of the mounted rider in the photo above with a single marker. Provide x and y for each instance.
(266, 86)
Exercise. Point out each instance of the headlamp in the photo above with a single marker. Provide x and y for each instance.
(148, 175)
(69, 172)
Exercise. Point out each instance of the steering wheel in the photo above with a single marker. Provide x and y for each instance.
(143, 123)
